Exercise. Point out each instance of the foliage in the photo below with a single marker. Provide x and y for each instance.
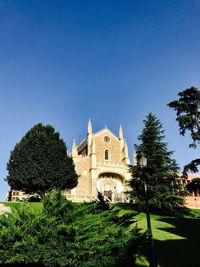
(9, 197)
(187, 109)
(194, 186)
(67, 234)
(170, 234)
(32, 206)
(102, 203)
(163, 185)
(33, 198)
(39, 162)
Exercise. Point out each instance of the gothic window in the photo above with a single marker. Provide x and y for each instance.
(106, 154)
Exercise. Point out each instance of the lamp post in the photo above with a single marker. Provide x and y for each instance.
(152, 259)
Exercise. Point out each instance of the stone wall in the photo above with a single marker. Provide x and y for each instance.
(113, 146)
(82, 169)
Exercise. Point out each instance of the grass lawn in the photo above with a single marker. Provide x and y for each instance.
(31, 205)
(176, 238)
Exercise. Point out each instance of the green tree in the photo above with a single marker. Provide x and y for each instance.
(39, 163)
(187, 109)
(163, 185)
(194, 186)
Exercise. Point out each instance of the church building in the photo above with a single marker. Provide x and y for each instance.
(102, 163)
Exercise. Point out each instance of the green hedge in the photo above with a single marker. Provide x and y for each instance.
(65, 234)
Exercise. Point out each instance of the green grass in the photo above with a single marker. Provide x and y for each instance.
(176, 238)
(31, 205)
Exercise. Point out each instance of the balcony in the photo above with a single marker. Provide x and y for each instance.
(111, 164)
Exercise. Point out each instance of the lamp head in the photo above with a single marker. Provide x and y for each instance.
(142, 160)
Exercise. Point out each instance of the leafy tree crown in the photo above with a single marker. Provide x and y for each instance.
(187, 109)
(39, 162)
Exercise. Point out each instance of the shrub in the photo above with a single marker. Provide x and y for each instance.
(102, 203)
(34, 198)
(63, 233)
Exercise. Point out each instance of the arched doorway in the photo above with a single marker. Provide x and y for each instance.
(111, 185)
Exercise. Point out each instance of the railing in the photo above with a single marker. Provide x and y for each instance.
(111, 164)
(121, 198)
(80, 197)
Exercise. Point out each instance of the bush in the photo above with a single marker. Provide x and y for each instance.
(102, 203)
(34, 198)
(67, 234)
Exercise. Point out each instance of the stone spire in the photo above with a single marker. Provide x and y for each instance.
(92, 169)
(126, 157)
(89, 136)
(134, 157)
(93, 148)
(89, 127)
(121, 135)
(125, 150)
(122, 142)
(74, 150)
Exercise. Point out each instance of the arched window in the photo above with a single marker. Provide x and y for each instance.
(106, 154)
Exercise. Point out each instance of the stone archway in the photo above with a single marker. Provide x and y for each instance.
(111, 185)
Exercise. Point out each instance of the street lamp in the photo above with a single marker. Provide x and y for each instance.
(142, 160)
(152, 259)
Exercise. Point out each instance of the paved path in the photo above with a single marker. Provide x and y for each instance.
(4, 209)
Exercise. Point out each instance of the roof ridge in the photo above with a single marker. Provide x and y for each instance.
(98, 132)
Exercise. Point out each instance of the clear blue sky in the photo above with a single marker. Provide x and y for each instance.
(114, 61)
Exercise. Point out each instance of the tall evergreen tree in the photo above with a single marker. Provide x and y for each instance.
(163, 185)
(39, 163)
(187, 109)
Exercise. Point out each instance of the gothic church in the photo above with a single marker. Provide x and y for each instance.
(102, 163)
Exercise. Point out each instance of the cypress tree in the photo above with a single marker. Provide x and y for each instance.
(165, 191)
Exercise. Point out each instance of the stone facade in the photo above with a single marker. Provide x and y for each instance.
(101, 161)
(17, 195)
